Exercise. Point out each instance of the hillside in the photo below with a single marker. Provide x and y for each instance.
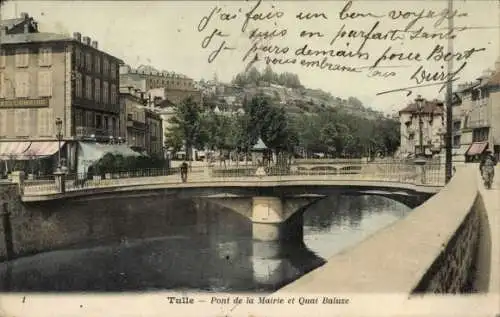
(285, 89)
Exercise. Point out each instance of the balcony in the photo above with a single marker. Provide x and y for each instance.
(480, 102)
(136, 125)
(88, 132)
(479, 123)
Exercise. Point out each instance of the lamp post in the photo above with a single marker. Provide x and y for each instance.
(419, 102)
(449, 100)
(59, 139)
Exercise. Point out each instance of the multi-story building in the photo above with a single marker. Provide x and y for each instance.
(480, 124)
(177, 87)
(44, 76)
(144, 132)
(154, 135)
(433, 128)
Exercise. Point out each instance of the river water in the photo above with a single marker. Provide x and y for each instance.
(209, 256)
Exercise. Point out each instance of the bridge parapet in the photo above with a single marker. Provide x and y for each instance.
(437, 248)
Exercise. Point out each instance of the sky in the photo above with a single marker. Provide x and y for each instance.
(165, 34)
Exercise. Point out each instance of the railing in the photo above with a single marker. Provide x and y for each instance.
(430, 175)
(480, 123)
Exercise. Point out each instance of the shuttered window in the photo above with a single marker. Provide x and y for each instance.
(45, 83)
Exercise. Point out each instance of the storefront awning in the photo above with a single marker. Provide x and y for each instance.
(477, 148)
(43, 149)
(89, 153)
(27, 150)
(461, 150)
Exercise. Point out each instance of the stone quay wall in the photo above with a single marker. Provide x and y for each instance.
(30, 228)
(442, 246)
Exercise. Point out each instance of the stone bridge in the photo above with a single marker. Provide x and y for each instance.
(450, 244)
(274, 204)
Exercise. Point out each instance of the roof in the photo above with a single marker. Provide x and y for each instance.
(494, 79)
(260, 145)
(434, 106)
(40, 37)
(34, 37)
(165, 103)
(10, 23)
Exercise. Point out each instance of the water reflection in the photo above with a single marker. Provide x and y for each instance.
(339, 222)
(214, 252)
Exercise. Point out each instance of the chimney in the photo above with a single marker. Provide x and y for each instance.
(77, 36)
(86, 40)
(24, 15)
(94, 44)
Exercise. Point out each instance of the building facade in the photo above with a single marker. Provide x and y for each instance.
(44, 76)
(433, 128)
(143, 123)
(176, 87)
(154, 135)
(480, 115)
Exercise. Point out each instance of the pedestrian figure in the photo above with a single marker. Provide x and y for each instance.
(184, 171)
(487, 168)
(261, 172)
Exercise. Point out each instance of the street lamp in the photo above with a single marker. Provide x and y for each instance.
(420, 158)
(59, 139)
(419, 102)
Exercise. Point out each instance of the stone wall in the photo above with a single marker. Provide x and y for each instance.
(455, 269)
(39, 227)
(442, 246)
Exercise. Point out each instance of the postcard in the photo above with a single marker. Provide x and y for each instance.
(249, 158)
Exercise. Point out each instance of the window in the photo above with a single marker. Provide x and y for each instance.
(90, 119)
(97, 90)
(105, 65)
(79, 85)
(77, 57)
(105, 125)
(88, 87)
(2, 85)
(22, 85)
(113, 94)
(3, 122)
(113, 70)
(105, 92)
(78, 118)
(98, 64)
(88, 62)
(456, 141)
(22, 57)
(45, 83)
(82, 58)
(45, 122)
(22, 120)
(98, 121)
(2, 58)
(113, 126)
(45, 56)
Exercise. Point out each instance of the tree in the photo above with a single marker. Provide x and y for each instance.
(174, 140)
(253, 76)
(268, 74)
(186, 123)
